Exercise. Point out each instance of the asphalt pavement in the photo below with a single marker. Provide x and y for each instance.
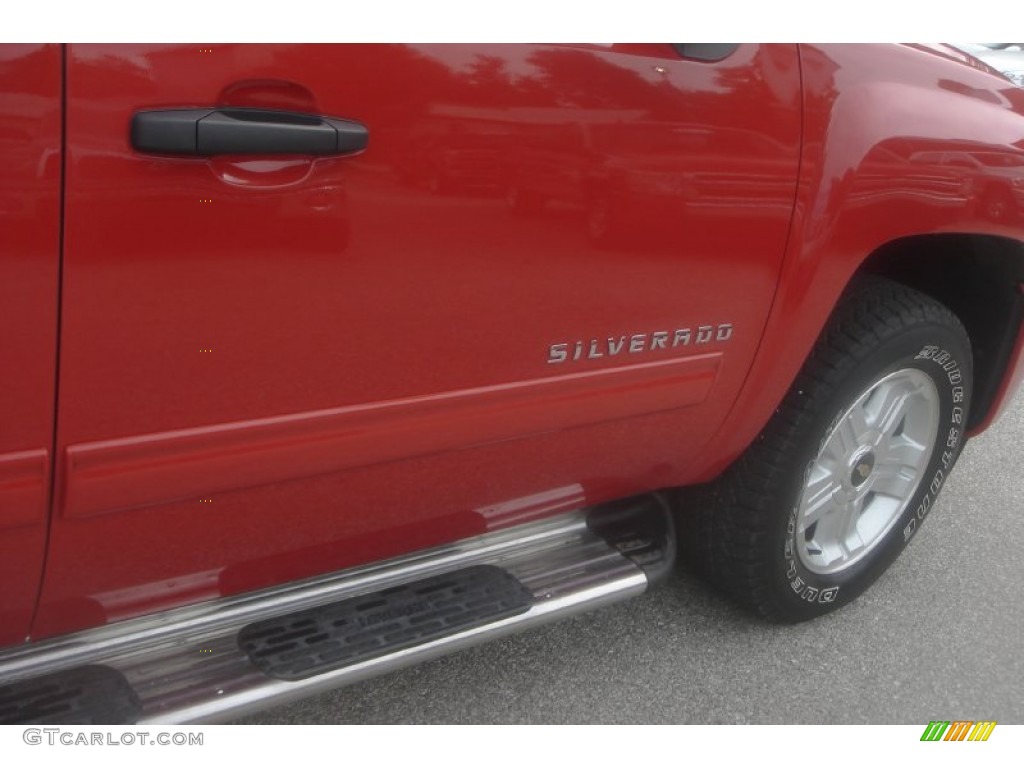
(938, 637)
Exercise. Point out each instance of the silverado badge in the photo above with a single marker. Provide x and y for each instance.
(592, 349)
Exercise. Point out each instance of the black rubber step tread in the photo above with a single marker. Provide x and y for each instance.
(92, 695)
(317, 640)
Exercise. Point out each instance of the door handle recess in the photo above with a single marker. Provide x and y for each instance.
(231, 131)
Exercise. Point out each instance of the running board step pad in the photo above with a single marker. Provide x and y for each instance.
(236, 655)
(91, 695)
(340, 634)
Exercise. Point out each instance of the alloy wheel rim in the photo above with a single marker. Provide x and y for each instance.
(868, 468)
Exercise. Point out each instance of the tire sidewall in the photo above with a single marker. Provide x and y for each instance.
(940, 353)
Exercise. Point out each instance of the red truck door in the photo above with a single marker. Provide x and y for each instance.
(30, 124)
(540, 285)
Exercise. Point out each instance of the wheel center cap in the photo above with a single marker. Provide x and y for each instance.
(863, 465)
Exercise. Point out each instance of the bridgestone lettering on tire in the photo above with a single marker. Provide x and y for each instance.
(849, 466)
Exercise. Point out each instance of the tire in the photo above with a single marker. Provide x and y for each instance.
(847, 469)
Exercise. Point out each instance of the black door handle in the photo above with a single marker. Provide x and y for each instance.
(705, 51)
(232, 131)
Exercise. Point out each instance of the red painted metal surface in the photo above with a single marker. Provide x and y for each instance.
(273, 367)
(138, 471)
(511, 198)
(886, 129)
(30, 116)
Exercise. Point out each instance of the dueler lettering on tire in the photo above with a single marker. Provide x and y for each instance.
(849, 466)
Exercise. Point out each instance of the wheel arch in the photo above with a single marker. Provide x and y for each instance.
(979, 277)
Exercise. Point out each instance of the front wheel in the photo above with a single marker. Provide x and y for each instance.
(849, 466)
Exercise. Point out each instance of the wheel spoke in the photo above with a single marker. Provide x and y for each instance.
(859, 420)
(893, 403)
(851, 540)
(832, 532)
(847, 435)
(827, 534)
(895, 480)
(818, 495)
(904, 456)
(828, 551)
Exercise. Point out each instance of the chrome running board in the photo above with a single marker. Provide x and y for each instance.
(187, 666)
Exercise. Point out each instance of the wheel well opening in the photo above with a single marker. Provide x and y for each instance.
(978, 277)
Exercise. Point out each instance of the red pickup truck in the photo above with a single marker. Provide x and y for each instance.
(322, 360)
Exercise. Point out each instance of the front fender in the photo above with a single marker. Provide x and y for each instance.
(898, 141)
